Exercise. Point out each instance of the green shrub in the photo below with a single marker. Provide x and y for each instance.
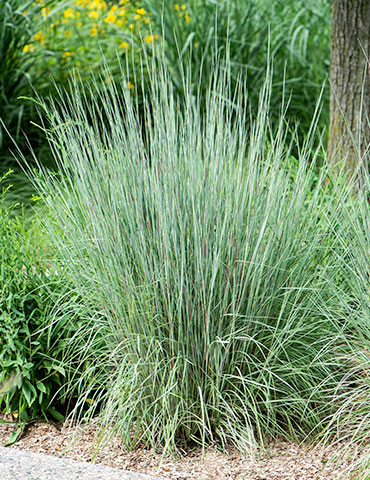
(34, 330)
(209, 267)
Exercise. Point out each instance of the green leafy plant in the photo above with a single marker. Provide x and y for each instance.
(34, 333)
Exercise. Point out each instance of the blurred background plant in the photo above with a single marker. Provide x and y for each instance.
(19, 20)
(44, 40)
(85, 34)
(295, 35)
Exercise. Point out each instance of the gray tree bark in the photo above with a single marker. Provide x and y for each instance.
(349, 131)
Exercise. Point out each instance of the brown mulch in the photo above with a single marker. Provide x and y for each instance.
(282, 460)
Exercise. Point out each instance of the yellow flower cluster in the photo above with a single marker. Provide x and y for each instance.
(117, 22)
(28, 48)
(104, 12)
(182, 12)
(69, 13)
(150, 38)
(84, 23)
(100, 10)
(39, 37)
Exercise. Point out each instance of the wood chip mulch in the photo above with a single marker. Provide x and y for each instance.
(282, 460)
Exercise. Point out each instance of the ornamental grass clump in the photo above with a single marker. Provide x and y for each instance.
(203, 263)
(348, 425)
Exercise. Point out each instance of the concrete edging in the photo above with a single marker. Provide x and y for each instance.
(18, 464)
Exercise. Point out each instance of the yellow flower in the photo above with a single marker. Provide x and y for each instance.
(150, 38)
(136, 17)
(67, 33)
(110, 18)
(28, 48)
(187, 18)
(44, 11)
(67, 54)
(183, 7)
(97, 4)
(141, 11)
(68, 13)
(39, 37)
(122, 12)
(94, 31)
(130, 85)
(177, 6)
(93, 14)
(131, 26)
(124, 45)
(113, 9)
(79, 24)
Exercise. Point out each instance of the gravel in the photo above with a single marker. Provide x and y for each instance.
(16, 464)
(282, 459)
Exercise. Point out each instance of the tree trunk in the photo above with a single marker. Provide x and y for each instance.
(349, 132)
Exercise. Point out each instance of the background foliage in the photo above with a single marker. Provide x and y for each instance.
(50, 38)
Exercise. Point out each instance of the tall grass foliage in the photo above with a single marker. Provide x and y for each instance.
(204, 265)
(348, 424)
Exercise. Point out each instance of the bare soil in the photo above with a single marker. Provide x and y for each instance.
(281, 460)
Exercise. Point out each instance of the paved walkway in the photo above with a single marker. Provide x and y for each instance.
(20, 465)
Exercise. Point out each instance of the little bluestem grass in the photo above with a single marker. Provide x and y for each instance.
(205, 269)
